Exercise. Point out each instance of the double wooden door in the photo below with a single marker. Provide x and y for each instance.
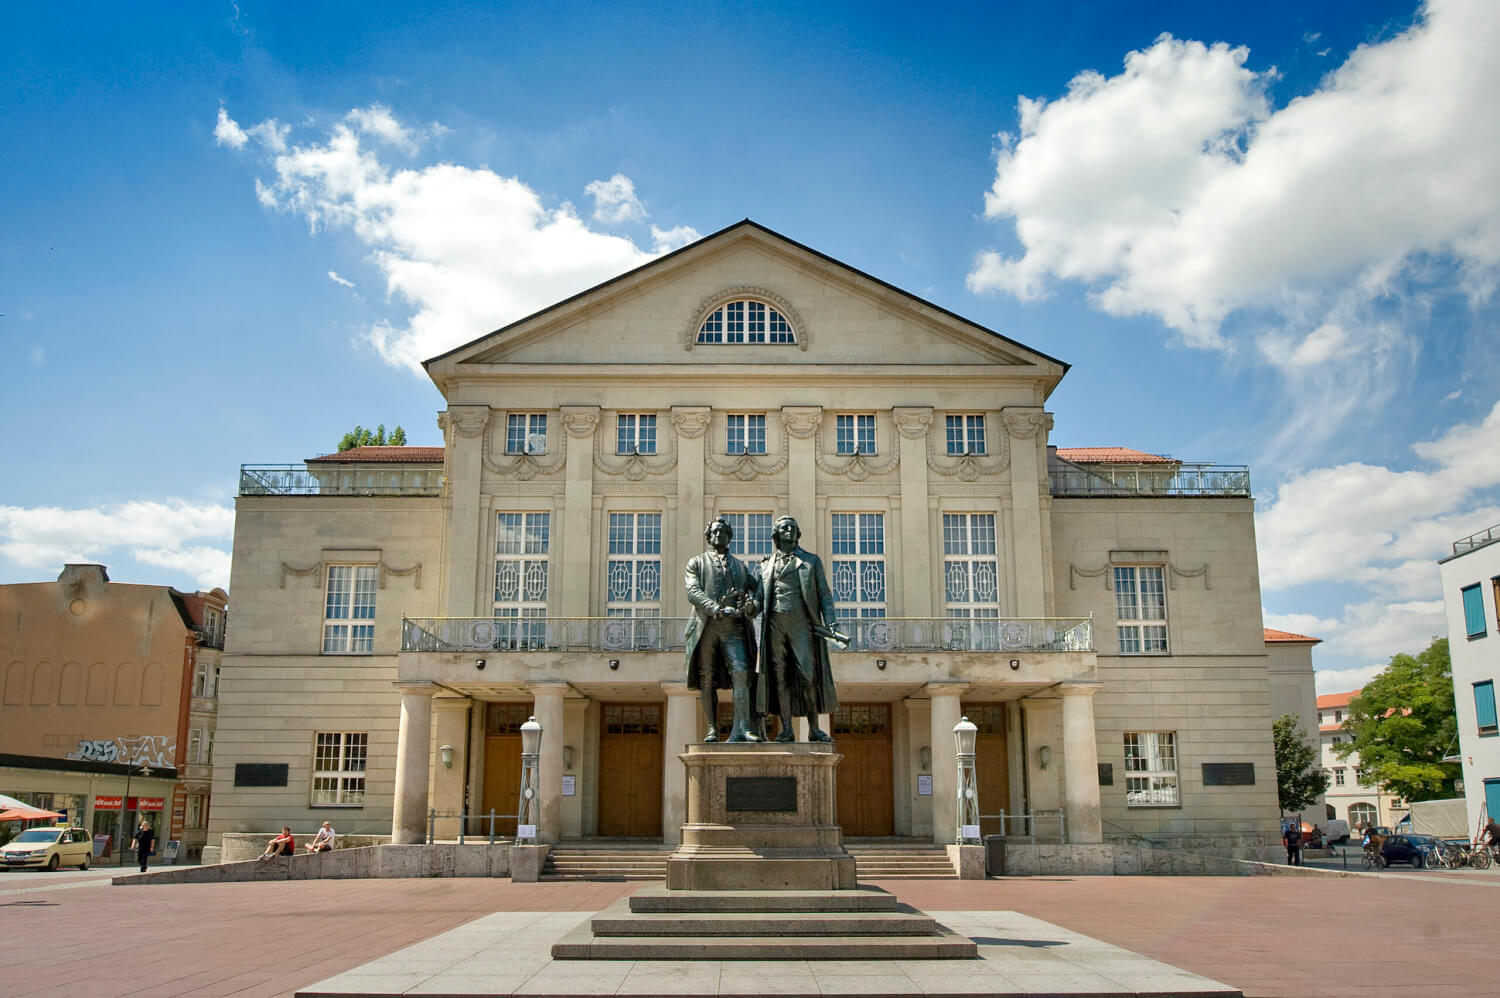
(866, 791)
(502, 765)
(630, 770)
(991, 763)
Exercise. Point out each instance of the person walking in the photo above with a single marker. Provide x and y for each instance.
(144, 843)
(1292, 839)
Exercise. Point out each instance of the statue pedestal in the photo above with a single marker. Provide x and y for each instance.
(761, 816)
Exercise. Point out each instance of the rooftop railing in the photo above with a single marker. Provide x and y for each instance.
(299, 480)
(870, 634)
(1466, 544)
(1180, 480)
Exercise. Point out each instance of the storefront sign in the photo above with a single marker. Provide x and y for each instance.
(106, 803)
(149, 803)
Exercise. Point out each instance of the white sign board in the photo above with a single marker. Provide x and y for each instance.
(570, 785)
(526, 832)
(924, 784)
(971, 831)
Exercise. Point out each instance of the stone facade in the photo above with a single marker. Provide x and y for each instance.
(912, 447)
(1471, 600)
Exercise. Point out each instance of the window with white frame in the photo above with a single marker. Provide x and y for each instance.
(1151, 769)
(635, 433)
(208, 748)
(521, 563)
(971, 572)
(349, 610)
(752, 535)
(858, 579)
(634, 565)
(965, 433)
(854, 433)
(338, 778)
(213, 627)
(195, 745)
(526, 433)
(1338, 776)
(1141, 609)
(745, 433)
(745, 321)
(205, 678)
(193, 816)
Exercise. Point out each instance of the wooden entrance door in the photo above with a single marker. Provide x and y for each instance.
(502, 765)
(991, 763)
(630, 761)
(866, 789)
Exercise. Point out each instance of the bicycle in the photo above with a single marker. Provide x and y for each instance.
(1481, 857)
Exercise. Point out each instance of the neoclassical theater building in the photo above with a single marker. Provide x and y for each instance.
(400, 612)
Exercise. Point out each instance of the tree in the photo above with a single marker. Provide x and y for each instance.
(1298, 781)
(1403, 725)
(361, 437)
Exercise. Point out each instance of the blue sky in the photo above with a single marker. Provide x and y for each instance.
(1270, 237)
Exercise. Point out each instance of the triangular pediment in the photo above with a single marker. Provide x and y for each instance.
(836, 316)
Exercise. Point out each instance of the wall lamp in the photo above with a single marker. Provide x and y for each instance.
(567, 757)
(880, 664)
(479, 664)
(924, 754)
(1015, 663)
(446, 752)
(1044, 756)
(614, 663)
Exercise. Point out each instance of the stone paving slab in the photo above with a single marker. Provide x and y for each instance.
(505, 954)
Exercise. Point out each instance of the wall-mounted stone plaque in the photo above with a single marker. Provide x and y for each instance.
(260, 774)
(1106, 774)
(760, 793)
(1229, 774)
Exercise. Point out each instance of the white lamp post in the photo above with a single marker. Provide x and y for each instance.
(967, 812)
(529, 806)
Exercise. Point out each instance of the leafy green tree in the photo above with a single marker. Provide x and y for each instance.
(361, 437)
(1299, 782)
(1403, 725)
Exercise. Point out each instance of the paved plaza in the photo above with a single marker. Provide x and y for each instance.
(1417, 933)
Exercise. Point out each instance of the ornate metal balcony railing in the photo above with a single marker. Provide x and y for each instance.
(298, 480)
(1466, 544)
(1181, 480)
(870, 634)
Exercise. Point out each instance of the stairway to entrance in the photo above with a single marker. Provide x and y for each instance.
(899, 859)
(607, 860)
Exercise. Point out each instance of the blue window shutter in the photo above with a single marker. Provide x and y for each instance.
(1484, 705)
(1474, 612)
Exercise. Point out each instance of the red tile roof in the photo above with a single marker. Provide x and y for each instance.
(1272, 634)
(1111, 455)
(383, 455)
(1336, 699)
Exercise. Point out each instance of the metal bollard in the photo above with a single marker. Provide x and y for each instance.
(492, 826)
(431, 825)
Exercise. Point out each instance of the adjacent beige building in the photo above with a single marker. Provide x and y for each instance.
(401, 611)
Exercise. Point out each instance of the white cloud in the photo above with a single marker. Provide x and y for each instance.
(615, 200)
(1175, 189)
(377, 122)
(665, 240)
(168, 534)
(1345, 680)
(465, 249)
(1301, 623)
(228, 133)
(333, 276)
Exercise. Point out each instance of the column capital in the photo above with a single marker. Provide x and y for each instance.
(678, 690)
(912, 421)
(1024, 423)
(1037, 703)
(802, 421)
(549, 689)
(413, 687)
(690, 420)
(580, 420)
(1079, 687)
(953, 689)
(465, 420)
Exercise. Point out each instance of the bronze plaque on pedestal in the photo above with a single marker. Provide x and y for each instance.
(760, 793)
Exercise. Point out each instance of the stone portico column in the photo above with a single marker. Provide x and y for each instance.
(681, 728)
(450, 720)
(547, 708)
(947, 711)
(1080, 763)
(413, 749)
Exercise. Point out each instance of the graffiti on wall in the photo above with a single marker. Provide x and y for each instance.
(138, 750)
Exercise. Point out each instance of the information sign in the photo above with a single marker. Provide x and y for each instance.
(924, 784)
(570, 785)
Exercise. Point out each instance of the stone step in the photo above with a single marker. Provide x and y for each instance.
(861, 899)
(582, 944)
(906, 922)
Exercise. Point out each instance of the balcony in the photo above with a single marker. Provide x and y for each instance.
(1466, 544)
(299, 480)
(621, 634)
(1231, 480)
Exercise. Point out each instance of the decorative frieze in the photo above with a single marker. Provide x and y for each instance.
(635, 467)
(968, 467)
(525, 467)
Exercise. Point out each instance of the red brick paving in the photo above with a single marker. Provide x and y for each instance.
(1266, 935)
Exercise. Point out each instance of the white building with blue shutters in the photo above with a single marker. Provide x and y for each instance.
(1471, 588)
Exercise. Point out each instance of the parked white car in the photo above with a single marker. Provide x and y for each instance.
(1338, 831)
(49, 848)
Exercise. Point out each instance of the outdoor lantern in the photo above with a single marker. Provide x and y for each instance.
(964, 736)
(925, 755)
(567, 757)
(1044, 756)
(447, 755)
(531, 736)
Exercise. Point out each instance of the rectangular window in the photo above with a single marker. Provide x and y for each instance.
(855, 433)
(208, 749)
(338, 778)
(193, 818)
(1338, 717)
(521, 562)
(965, 434)
(752, 535)
(526, 433)
(634, 565)
(635, 433)
(213, 628)
(971, 574)
(195, 745)
(745, 433)
(1474, 612)
(734, 322)
(858, 578)
(204, 679)
(1338, 777)
(1484, 707)
(1151, 769)
(1140, 598)
(349, 610)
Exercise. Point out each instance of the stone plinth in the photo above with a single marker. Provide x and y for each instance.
(761, 816)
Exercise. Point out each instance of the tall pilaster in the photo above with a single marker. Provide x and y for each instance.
(579, 423)
(802, 422)
(681, 728)
(1043, 729)
(947, 711)
(450, 715)
(547, 708)
(1028, 428)
(1080, 763)
(691, 424)
(413, 746)
(912, 426)
(575, 714)
(464, 428)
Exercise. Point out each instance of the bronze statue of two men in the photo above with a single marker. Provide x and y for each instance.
(787, 672)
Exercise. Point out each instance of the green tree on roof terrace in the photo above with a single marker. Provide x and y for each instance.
(361, 437)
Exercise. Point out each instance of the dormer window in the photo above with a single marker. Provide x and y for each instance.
(746, 321)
